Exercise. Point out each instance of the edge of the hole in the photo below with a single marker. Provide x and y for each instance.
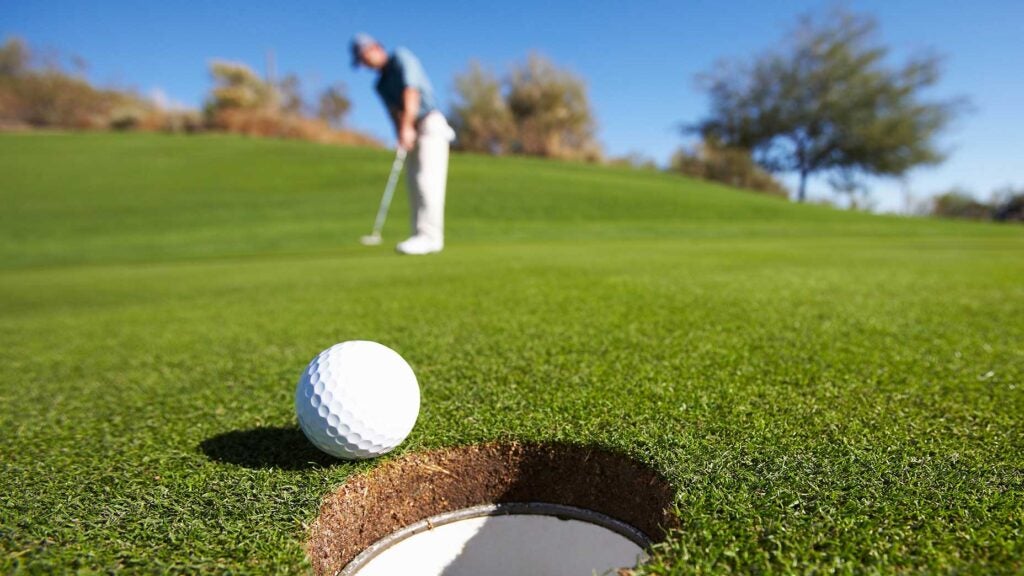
(435, 482)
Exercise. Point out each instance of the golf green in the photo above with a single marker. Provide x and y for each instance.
(825, 391)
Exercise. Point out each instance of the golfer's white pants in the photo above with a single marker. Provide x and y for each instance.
(428, 176)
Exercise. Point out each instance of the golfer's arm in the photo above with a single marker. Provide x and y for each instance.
(396, 119)
(410, 108)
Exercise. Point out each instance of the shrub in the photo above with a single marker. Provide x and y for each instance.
(551, 111)
(635, 160)
(732, 166)
(49, 96)
(270, 123)
(240, 102)
(958, 203)
(538, 109)
(1009, 205)
(236, 86)
(480, 116)
(243, 103)
(334, 105)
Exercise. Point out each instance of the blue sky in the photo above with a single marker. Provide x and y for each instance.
(639, 58)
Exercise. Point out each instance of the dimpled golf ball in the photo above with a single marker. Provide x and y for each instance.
(357, 400)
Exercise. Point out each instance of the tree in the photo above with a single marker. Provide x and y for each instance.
(551, 111)
(828, 102)
(334, 105)
(480, 116)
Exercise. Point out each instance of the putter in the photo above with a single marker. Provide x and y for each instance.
(385, 202)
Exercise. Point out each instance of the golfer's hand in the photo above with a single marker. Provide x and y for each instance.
(407, 137)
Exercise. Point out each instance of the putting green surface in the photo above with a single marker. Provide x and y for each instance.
(826, 391)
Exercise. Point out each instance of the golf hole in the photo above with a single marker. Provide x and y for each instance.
(497, 509)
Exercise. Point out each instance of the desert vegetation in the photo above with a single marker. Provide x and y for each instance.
(45, 91)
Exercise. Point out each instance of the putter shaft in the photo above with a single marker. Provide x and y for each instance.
(389, 192)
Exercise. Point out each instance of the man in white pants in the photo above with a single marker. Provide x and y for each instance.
(421, 129)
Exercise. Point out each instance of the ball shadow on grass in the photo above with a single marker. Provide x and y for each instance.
(278, 447)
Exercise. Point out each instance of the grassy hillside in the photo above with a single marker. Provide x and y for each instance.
(826, 391)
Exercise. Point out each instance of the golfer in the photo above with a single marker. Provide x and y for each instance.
(421, 130)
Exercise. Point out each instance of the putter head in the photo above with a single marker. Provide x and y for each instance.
(371, 240)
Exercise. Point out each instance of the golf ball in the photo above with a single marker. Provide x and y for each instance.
(357, 400)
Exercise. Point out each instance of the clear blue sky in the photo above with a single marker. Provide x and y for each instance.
(639, 58)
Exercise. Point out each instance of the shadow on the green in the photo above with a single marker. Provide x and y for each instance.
(266, 447)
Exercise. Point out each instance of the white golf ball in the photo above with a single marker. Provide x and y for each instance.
(357, 400)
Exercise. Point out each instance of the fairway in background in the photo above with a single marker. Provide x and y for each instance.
(111, 198)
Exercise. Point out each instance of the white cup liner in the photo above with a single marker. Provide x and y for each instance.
(509, 539)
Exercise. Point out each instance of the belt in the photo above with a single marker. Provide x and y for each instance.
(422, 119)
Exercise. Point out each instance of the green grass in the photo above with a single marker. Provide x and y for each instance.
(826, 391)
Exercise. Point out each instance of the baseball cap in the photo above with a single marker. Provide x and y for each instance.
(359, 42)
